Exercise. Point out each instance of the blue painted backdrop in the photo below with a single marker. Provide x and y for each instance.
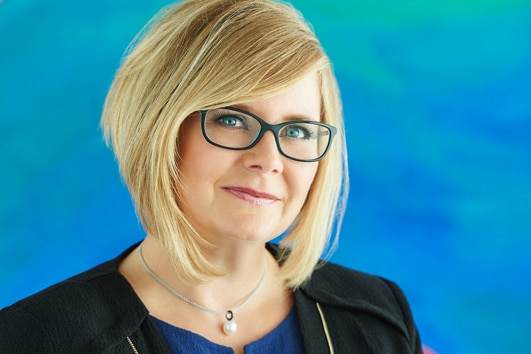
(437, 102)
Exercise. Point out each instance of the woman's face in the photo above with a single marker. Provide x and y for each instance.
(252, 194)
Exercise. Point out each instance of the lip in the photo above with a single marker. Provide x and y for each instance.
(252, 196)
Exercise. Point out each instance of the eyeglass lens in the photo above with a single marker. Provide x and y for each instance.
(238, 130)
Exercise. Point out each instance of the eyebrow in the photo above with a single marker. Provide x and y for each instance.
(289, 118)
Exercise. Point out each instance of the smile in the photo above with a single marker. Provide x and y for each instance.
(251, 196)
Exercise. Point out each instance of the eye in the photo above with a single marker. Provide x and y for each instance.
(228, 120)
(297, 132)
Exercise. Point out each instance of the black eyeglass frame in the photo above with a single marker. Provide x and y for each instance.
(265, 127)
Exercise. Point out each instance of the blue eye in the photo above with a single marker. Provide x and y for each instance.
(296, 132)
(228, 120)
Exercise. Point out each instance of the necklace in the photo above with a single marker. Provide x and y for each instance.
(229, 327)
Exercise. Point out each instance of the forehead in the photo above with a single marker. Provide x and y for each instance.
(301, 101)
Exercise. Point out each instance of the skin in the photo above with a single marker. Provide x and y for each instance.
(223, 195)
(238, 201)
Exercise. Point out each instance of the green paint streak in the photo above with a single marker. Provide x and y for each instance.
(407, 11)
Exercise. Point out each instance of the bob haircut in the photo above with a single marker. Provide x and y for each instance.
(205, 54)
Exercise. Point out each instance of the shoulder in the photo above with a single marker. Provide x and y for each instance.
(336, 284)
(85, 290)
(81, 306)
(355, 310)
(372, 304)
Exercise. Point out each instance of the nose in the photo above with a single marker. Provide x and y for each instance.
(264, 157)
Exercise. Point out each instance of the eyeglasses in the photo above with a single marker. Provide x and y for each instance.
(236, 129)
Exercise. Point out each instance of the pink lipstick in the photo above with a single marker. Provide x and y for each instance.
(252, 196)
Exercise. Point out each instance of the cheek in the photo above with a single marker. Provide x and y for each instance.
(303, 179)
(195, 153)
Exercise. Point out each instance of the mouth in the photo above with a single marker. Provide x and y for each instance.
(252, 196)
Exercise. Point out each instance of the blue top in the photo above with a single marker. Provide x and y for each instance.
(285, 339)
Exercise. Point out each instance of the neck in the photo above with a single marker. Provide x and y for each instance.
(240, 260)
(265, 310)
(244, 267)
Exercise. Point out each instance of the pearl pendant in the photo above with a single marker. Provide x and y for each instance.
(230, 328)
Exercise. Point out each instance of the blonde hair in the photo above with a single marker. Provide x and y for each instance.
(203, 54)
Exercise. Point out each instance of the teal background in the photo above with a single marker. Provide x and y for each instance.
(437, 101)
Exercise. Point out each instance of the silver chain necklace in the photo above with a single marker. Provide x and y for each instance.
(230, 327)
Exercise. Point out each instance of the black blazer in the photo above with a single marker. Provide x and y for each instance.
(339, 310)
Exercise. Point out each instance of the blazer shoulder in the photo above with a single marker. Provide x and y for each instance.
(21, 332)
(83, 288)
(81, 296)
(348, 285)
(338, 286)
(352, 299)
(84, 306)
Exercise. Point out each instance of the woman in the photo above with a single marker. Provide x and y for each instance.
(225, 121)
